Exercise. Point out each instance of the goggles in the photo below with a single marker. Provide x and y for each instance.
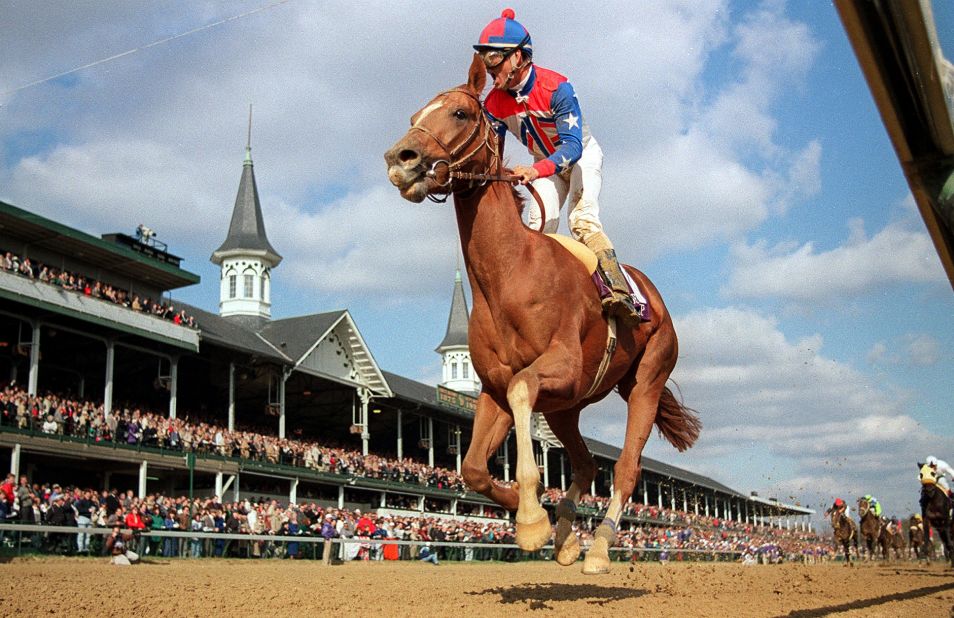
(493, 57)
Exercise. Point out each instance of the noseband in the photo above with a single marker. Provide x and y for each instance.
(452, 162)
(453, 166)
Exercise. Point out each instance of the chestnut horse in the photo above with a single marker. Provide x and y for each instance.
(537, 335)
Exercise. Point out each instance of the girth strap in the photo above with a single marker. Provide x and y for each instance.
(607, 356)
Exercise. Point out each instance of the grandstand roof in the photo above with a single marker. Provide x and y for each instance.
(411, 390)
(41, 232)
(247, 229)
(653, 465)
(294, 341)
(457, 321)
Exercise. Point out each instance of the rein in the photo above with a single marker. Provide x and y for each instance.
(453, 166)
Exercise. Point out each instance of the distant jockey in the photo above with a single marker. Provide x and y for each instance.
(838, 507)
(540, 108)
(873, 505)
(942, 472)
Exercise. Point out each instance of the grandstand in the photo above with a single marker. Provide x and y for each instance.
(83, 318)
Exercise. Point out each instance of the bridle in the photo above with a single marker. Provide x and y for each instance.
(489, 141)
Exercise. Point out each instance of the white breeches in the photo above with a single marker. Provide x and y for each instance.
(942, 483)
(582, 185)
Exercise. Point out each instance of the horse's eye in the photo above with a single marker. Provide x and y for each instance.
(460, 114)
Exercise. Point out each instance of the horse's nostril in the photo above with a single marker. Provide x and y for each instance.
(408, 156)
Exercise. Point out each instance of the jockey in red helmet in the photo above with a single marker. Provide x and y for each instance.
(838, 506)
(540, 108)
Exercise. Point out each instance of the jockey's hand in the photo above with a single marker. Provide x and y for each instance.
(525, 174)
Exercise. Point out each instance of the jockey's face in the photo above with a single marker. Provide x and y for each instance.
(504, 74)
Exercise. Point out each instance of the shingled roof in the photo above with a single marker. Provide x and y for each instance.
(456, 335)
(247, 229)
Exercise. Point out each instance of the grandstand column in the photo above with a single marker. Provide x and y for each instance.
(707, 505)
(173, 384)
(430, 442)
(143, 470)
(454, 507)
(400, 435)
(231, 396)
(34, 359)
(15, 460)
(457, 446)
(659, 494)
(685, 501)
(593, 487)
(562, 473)
(672, 496)
(110, 366)
(546, 465)
(506, 450)
(340, 496)
(612, 480)
(384, 502)
(695, 502)
(645, 492)
(218, 485)
(293, 492)
(281, 406)
(365, 395)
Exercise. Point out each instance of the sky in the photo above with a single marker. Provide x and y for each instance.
(746, 171)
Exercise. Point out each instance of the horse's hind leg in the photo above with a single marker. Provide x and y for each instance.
(652, 373)
(565, 426)
(491, 426)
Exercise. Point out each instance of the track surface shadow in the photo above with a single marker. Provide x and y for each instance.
(537, 596)
(865, 603)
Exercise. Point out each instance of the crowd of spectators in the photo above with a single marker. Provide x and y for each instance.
(661, 530)
(132, 426)
(85, 508)
(80, 284)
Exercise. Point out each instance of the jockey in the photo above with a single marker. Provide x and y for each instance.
(943, 471)
(839, 506)
(539, 106)
(873, 505)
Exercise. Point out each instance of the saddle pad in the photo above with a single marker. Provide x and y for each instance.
(579, 251)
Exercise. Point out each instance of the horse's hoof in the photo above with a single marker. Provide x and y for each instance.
(597, 558)
(533, 535)
(569, 552)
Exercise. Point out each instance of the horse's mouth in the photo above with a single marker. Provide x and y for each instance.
(413, 184)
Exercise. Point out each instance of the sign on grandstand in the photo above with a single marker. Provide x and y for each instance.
(452, 398)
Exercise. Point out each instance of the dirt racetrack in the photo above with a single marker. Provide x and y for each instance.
(92, 587)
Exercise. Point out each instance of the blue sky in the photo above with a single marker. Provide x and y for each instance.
(747, 172)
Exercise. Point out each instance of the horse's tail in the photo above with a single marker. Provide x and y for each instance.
(677, 423)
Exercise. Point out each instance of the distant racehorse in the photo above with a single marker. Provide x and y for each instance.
(916, 538)
(936, 508)
(870, 525)
(538, 339)
(845, 532)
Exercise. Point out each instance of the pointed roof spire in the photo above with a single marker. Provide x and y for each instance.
(457, 321)
(247, 229)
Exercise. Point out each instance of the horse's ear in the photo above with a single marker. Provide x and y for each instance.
(920, 465)
(477, 77)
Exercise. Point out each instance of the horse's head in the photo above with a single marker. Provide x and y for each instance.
(863, 507)
(927, 475)
(449, 134)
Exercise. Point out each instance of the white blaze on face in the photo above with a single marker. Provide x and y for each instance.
(427, 110)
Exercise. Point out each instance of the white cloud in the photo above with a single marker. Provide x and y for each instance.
(923, 350)
(796, 414)
(896, 254)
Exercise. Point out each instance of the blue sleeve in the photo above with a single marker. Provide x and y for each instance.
(569, 126)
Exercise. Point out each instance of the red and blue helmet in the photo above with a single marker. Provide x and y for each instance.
(505, 33)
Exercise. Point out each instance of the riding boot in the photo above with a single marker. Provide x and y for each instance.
(620, 300)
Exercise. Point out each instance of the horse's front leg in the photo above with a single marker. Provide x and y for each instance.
(491, 426)
(555, 373)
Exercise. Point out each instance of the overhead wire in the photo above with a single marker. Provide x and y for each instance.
(143, 47)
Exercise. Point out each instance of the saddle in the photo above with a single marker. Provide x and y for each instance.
(586, 257)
